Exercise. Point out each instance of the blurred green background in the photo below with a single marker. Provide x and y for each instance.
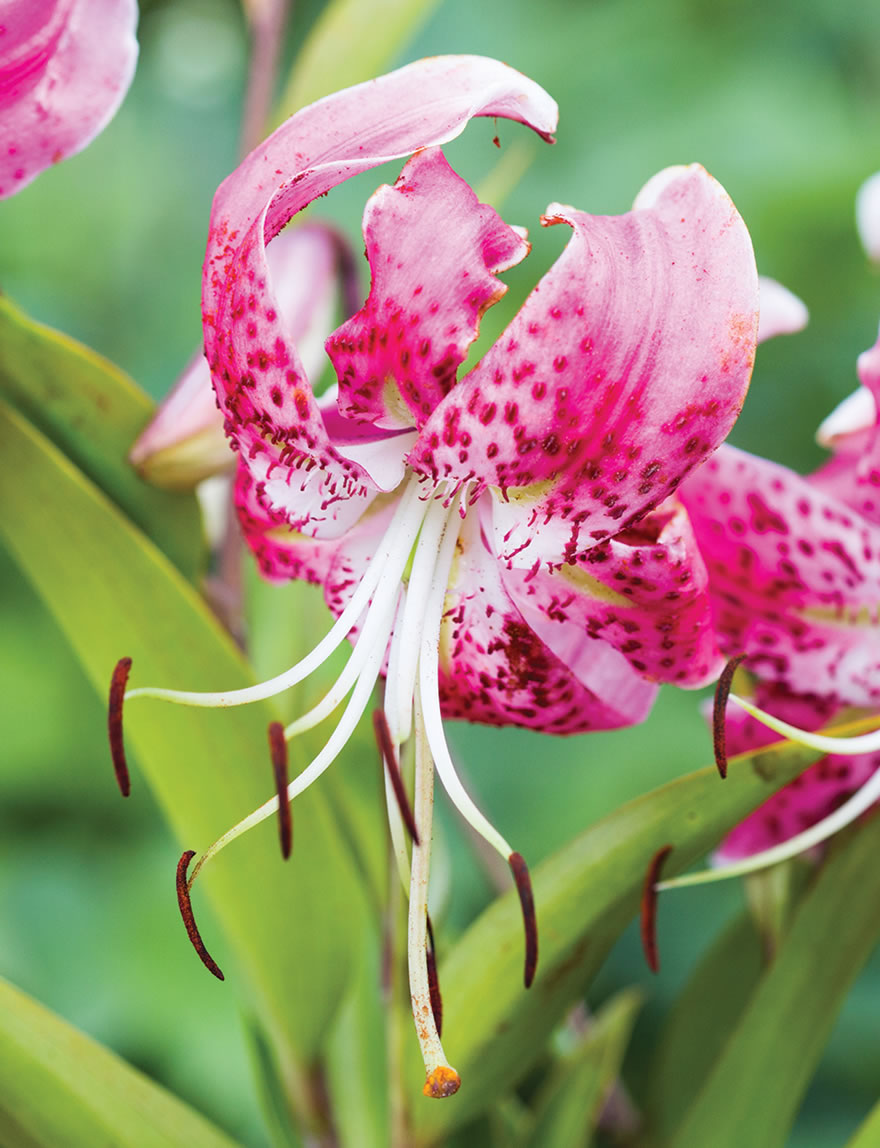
(780, 102)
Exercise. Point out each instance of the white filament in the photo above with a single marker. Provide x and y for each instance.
(398, 539)
(860, 801)
(429, 694)
(417, 921)
(848, 746)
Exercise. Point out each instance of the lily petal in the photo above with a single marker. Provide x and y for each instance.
(273, 418)
(624, 369)
(782, 312)
(495, 668)
(433, 250)
(804, 801)
(868, 216)
(65, 66)
(853, 432)
(794, 573)
(645, 592)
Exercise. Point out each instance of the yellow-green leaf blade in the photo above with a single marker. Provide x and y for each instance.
(292, 926)
(59, 1087)
(752, 1094)
(93, 412)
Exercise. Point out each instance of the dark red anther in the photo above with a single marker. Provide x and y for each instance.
(183, 900)
(389, 756)
(520, 872)
(433, 982)
(278, 748)
(649, 908)
(719, 710)
(114, 724)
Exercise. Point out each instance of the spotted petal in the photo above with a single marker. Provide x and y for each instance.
(853, 433)
(495, 667)
(624, 369)
(271, 412)
(794, 575)
(644, 591)
(65, 66)
(804, 801)
(433, 250)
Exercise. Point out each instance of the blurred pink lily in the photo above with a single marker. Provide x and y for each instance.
(65, 66)
(504, 545)
(184, 443)
(794, 574)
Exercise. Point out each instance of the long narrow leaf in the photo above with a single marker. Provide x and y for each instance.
(585, 895)
(115, 594)
(752, 1094)
(59, 1087)
(93, 411)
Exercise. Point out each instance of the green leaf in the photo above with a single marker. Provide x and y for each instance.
(93, 412)
(868, 1134)
(568, 1106)
(755, 1087)
(350, 42)
(357, 1069)
(585, 896)
(59, 1087)
(113, 593)
(701, 1020)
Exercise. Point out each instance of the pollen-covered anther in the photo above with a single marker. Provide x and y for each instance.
(183, 900)
(442, 1082)
(520, 872)
(719, 712)
(649, 908)
(114, 724)
(389, 757)
(278, 749)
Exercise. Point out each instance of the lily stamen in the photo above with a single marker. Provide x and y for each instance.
(278, 748)
(183, 900)
(441, 1079)
(114, 724)
(389, 757)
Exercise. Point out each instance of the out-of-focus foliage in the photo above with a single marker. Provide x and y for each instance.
(780, 102)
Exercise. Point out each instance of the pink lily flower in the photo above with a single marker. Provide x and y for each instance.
(794, 572)
(65, 66)
(505, 545)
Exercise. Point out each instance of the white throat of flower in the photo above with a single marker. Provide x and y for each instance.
(405, 621)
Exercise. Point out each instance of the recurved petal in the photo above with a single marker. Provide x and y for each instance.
(495, 668)
(794, 576)
(434, 251)
(782, 312)
(644, 592)
(184, 442)
(624, 369)
(868, 216)
(853, 433)
(65, 66)
(806, 800)
(257, 371)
